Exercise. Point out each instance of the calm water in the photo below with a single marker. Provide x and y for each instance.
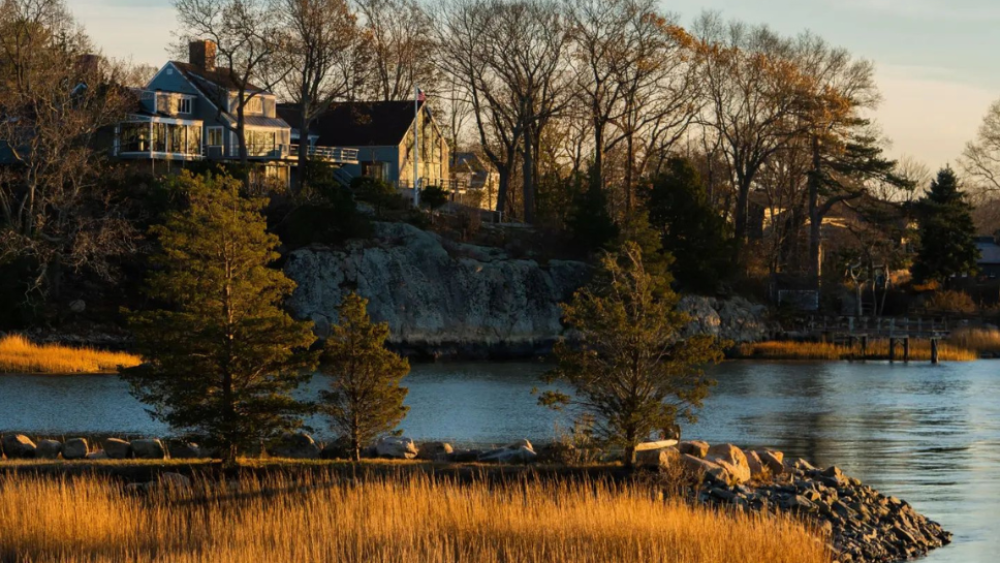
(930, 435)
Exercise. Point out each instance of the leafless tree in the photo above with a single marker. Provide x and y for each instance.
(58, 104)
(324, 55)
(249, 36)
(399, 34)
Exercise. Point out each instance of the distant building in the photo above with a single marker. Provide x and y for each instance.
(475, 178)
(187, 112)
(989, 256)
(382, 134)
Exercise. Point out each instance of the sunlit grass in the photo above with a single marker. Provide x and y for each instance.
(391, 519)
(978, 339)
(920, 350)
(20, 355)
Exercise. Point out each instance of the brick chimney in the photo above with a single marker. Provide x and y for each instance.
(202, 54)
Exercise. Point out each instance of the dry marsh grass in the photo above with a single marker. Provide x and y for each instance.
(20, 355)
(920, 350)
(978, 339)
(398, 520)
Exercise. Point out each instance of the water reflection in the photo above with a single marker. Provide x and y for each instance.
(928, 434)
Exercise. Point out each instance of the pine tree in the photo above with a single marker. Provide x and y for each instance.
(223, 360)
(692, 231)
(365, 400)
(947, 232)
(631, 372)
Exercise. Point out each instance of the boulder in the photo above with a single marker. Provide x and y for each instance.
(465, 456)
(75, 448)
(560, 453)
(48, 449)
(117, 449)
(295, 446)
(694, 447)
(774, 460)
(664, 457)
(758, 469)
(732, 459)
(97, 456)
(179, 449)
(148, 449)
(518, 452)
(798, 464)
(435, 451)
(18, 446)
(705, 469)
(396, 447)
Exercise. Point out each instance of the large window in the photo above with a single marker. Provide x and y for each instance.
(133, 137)
(261, 142)
(255, 106)
(375, 169)
(194, 140)
(214, 137)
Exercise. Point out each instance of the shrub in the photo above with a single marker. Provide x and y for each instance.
(951, 302)
(332, 219)
(434, 197)
(379, 194)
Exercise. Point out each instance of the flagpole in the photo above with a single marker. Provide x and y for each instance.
(416, 146)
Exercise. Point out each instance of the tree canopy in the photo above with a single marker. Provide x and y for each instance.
(947, 232)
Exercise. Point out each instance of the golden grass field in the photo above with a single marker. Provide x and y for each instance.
(978, 339)
(72, 520)
(20, 355)
(920, 350)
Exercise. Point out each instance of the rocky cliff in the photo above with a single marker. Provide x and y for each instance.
(439, 298)
(446, 299)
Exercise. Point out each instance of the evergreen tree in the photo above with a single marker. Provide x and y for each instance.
(631, 372)
(589, 221)
(224, 358)
(947, 232)
(692, 231)
(365, 400)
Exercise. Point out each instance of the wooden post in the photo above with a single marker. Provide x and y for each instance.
(934, 351)
(906, 349)
(864, 346)
(892, 349)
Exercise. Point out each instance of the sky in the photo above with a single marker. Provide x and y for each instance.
(937, 61)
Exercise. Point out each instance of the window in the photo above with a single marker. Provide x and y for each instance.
(254, 105)
(215, 136)
(375, 169)
(193, 140)
(261, 142)
(159, 137)
(184, 105)
(134, 137)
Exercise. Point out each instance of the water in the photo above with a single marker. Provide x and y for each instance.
(928, 434)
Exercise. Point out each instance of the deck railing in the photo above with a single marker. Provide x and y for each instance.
(332, 154)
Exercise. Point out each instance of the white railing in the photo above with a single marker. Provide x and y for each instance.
(334, 154)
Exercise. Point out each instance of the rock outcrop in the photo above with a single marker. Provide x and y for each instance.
(439, 298)
(734, 319)
(442, 298)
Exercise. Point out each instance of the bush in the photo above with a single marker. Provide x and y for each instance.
(379, 194)
(434, 197)
(332, 219)
(951, 302)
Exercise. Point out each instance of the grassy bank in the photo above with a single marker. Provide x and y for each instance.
(920, 350)
(20, 355)
(402, 519)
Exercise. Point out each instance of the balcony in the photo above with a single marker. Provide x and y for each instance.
(334, 155)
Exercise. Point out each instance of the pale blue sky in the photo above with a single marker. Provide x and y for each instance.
(938, 61)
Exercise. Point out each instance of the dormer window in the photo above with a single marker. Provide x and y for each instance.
(254, 105)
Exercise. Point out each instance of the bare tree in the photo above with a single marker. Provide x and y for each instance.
(399, 34)
(751, 89)
(981, 158)
(58, 102)
(249, 37)
(324, 56)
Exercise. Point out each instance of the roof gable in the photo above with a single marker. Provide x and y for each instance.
(357, 124)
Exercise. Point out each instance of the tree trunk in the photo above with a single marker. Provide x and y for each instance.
(815, 220)
(303, 144)
(629, 171)
(741, 215)
(503, 174)
(527, 168)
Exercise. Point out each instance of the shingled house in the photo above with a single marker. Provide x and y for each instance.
(382, 135)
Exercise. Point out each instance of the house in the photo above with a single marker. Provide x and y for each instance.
(475, 178)
(989, 256)
(187, 112)
(381, 133)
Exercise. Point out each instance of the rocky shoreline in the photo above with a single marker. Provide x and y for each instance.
(861, 524)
